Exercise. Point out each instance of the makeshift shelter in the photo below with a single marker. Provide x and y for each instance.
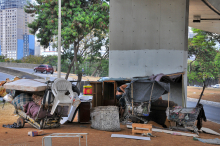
(104, 93)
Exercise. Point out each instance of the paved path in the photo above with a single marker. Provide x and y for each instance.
(212, 112)
(3, 76)
(44, 75)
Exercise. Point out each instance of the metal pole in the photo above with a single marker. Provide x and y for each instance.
(59, 43)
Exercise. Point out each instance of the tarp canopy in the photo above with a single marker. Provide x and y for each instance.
(142, 90)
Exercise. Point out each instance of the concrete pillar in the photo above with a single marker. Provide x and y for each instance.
(148, 37)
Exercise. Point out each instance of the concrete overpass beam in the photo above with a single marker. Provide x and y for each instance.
(148, 37)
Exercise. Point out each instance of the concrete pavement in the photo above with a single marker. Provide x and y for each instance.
(212, 112)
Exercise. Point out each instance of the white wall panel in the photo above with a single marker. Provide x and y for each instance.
(146, 62)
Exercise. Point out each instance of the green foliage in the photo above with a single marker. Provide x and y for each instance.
(33, 59)
(89, 68)
(104, 68)
(79, 17)
(206, 57)
(2, 58)
(51, 60)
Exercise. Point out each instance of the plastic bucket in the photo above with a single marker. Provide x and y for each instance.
(87, 90)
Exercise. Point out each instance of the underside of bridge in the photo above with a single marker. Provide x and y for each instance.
(205, 15)
(151, 37)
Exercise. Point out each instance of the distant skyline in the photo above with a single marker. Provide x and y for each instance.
(15, 39)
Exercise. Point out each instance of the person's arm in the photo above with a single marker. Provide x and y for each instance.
(122, 87)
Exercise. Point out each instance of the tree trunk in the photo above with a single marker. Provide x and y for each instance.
(79, 80)
(73, 68)
(75, 58)
(96, 68)
(204, 85)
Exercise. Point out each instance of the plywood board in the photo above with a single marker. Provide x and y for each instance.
(130, 137)
(26, 85)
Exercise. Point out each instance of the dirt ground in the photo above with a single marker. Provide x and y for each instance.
(19, 137)
(211, 94)
(84, 78)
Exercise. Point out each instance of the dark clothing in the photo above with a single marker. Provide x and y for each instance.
(201, 117)
(118, 96)
(121, 101)
(119, 90)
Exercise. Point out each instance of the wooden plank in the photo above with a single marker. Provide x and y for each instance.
(26, 85)
(142, 125)
(137, 126)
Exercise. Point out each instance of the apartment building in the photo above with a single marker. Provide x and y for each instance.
(16, 41)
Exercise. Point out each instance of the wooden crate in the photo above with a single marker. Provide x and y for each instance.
(147, 128)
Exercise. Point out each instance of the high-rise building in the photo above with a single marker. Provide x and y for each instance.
(16, 41)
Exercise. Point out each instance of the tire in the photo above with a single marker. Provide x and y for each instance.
(51, 72)
(20, 122)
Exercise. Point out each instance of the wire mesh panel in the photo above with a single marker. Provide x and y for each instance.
(184, 117)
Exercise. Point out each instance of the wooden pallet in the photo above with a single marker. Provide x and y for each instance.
(142, 128)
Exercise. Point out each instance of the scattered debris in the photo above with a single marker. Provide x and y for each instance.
(148, 134)
(174, 132)
(210, 141)
(14, 125)
(130, 137)
(168, 131)
(35, 133)
(210, 131)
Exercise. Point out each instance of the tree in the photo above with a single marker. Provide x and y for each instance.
(204, 66)
(2, 58)
(33, 59)
(79, 18)
(51, 60)
(204, 52)
(91, 55)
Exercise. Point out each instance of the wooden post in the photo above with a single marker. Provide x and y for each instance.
(183, 92)
(168, 99)
(96, 95)
(132, 101)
